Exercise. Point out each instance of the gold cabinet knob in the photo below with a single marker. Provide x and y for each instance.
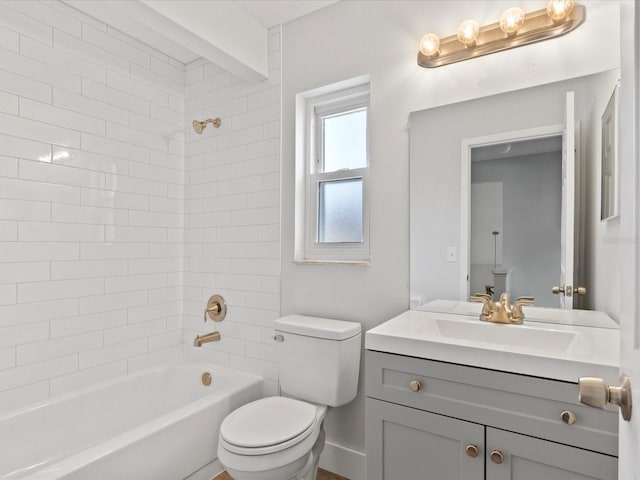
(415, 385)
(568, 417)
(496, 457)
(472, 450)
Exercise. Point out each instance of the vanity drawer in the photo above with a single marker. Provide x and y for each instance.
(518, 403)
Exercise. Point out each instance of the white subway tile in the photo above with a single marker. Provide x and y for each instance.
(271, 181)
(62, 327)
(135, 43)
(114, 301)
(62, 174)
(154, 172)
(267, 301)
(9, 39)
(24, 210)
(241, 89)
(138, 88)
(25, 87)
(271, 284)
(37, 231)
(99, 251)
(8, 233)
(165, 250)
(25, 313)
(90, 106)
(172, 72)
(165, 340)
(240, 185)
(209, 219)
(254, 366)
(38, 291)
(18, 22)
(23, 396)
(7, 294)
(9, 103)
(150, 312)
(256, 216)
(8, 167)
(115, 97)
(38, 191)
(78, 47)
(23, 271)
(167, 115)
(37, 251)
(127, 234)
(55, 57)
(264, 165)
(169, 294)
(137, 137)
(122, 49)
(263, 249)
(121, 183)
(114, 148)
(111, 199)
(85, 214)
(34, 130)
(21, 334)
(89, 160)
(85, 378)
(261, 351)
(37, 352)
(239, 282)
(61, 117)
(194, 74)
(159, 81)
(166, 356)
(167, 205)
(255, 266)
(257, 116)
(112, 353)
(154, 265)
(131, 283)
(240, 234)
(136, 330)
(156, 219)
(211, 69)
(43, 12)
(87, 269)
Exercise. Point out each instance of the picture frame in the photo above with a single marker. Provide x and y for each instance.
(609, 167)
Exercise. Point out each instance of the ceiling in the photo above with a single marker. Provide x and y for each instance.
(517, 149)
(275, 12)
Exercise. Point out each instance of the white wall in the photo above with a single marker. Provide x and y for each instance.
(91, 210)
(232, 214)
(349, 39)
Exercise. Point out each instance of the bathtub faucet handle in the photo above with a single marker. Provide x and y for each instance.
(216, 309)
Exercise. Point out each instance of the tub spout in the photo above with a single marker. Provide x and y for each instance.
(206, 338)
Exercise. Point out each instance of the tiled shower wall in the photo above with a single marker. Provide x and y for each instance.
(232, 214)
(91, 204)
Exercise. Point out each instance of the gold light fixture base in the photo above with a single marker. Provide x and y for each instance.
(537, 26)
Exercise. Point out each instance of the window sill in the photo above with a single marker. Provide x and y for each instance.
(307, 261)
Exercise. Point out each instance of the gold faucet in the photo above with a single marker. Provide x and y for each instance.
(502, 311)
(206, 338)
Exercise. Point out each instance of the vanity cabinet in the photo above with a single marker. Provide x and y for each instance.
(441, 421)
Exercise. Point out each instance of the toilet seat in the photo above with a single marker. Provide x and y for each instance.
(267, 426)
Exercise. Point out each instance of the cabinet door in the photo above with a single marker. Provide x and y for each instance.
(408, 444)
(528, 458)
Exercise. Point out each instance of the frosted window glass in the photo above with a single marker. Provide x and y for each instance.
(344, 140)
(340, 212)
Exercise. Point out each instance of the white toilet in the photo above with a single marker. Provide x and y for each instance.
(281, 438)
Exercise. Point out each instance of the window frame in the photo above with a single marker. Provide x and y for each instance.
(317, 107)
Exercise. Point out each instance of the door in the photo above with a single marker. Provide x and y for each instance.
(568, 203)
(511, 456)
(405, 443)
(629, 447)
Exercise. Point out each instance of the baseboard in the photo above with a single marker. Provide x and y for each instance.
(344, 461)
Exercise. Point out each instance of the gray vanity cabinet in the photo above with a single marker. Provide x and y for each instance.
(429, 420)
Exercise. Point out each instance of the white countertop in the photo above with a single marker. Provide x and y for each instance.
(548, 350)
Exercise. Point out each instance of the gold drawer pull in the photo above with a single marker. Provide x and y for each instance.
(472, 450)
(415, 385)
(568, 417)
(497, 457)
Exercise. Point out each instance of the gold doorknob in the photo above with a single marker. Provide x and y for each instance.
(415, 385)
(580, 290)
(568, 417)
(596, 393)
(496, 457)
(472, 450)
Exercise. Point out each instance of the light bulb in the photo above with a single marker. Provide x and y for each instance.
(430, 45)
(511, 21)
(559, 9)
(468, 33)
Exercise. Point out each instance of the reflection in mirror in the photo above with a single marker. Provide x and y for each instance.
(512, 186)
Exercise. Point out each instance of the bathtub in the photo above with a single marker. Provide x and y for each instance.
(159, 424)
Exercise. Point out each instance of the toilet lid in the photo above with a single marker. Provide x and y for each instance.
(266, 422)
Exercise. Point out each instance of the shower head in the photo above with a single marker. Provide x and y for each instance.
(200, 126)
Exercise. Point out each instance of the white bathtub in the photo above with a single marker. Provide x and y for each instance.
(153, 425)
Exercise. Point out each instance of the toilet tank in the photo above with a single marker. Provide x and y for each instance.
(318, 358)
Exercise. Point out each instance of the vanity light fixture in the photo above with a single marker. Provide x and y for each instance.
(515, 28)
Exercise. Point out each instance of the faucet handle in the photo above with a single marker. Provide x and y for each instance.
(518, 314)
(524, 301)
(486, 301)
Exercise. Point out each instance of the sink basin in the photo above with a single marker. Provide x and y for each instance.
(521, 336)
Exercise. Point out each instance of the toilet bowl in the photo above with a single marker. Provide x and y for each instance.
(281, 438)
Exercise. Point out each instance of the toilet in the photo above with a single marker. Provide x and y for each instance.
(281, 438)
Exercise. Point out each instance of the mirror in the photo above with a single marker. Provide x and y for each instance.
(496, 164)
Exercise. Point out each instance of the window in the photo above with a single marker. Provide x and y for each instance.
(332, 169)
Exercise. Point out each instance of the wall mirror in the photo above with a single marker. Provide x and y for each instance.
(505, 196)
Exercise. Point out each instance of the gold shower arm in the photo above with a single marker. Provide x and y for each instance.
(200, 126)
